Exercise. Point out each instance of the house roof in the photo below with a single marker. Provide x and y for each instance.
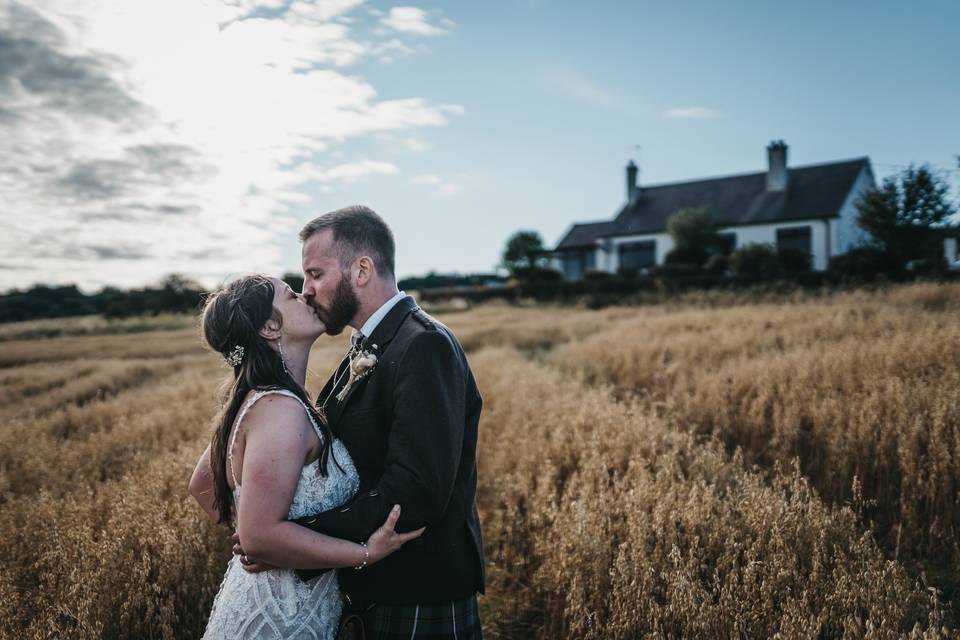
(813, 191)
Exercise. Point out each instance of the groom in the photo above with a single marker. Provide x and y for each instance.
(410, 425)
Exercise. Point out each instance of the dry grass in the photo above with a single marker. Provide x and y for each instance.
(602, 522)
(613, 502)
(93, 325)
(856, 385)
(100, 537)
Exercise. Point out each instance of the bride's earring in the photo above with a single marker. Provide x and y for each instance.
(283, 361)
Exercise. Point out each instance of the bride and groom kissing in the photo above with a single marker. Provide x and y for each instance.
(376, 478)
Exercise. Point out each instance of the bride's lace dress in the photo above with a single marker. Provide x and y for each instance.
(276, 603)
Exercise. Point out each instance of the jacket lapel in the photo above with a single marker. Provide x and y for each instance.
(376, 343)
(326, 397)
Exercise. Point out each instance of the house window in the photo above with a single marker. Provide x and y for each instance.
(794, 238)
(637, 255)
(589, 260)
(574, 263)
(726, 243)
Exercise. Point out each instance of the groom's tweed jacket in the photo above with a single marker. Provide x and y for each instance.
(410, 426)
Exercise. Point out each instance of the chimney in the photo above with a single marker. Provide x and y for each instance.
(777, 160)
(632, 190)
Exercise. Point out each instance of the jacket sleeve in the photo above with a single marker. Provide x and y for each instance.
(423, 448)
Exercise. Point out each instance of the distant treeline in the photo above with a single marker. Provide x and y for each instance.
(175, 294)
(435, 280)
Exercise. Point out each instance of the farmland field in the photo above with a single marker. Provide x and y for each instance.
(709, 468)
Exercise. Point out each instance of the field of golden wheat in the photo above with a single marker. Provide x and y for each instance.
(710, 468)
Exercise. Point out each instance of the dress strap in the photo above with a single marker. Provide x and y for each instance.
(256, 396)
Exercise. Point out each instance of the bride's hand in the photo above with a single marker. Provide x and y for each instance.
(249, 564)
(385, 540)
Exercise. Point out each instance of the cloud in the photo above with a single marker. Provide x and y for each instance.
(587, 91)
(691, 112)
(185, 155)
(448, 190)
(351, 171)
(438, 185)
(411, 20)
(426, 179)
(387, 51)
(113, 253)
(35, 72)
(137, 168)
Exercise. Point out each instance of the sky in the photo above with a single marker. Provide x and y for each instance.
(142, 138)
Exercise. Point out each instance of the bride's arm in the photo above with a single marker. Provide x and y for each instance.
(278, 439)
(201, 485)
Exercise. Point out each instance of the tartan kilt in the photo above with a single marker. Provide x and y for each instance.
(455, 619)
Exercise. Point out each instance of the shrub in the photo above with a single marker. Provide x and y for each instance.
(686, 255)
(864, 263)
(717, 264)
(756, 260)
(928, 267)
(676, 269)
(595, 275)
(794, 260)
(693, 228)
(537, 274)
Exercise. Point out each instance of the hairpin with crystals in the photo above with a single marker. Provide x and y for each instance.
(235, 357)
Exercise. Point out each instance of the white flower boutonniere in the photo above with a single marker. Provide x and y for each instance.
(361, 364)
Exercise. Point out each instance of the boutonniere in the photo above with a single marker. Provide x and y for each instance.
(362, 362)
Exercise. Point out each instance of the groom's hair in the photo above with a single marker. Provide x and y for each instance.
(356, 230)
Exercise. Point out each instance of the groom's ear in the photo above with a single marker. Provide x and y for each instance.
(364, 270)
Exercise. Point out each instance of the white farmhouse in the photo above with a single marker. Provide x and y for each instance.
(809, 207)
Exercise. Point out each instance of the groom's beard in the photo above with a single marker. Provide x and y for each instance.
(343, 308)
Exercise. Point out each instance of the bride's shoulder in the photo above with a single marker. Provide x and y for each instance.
(267, 407)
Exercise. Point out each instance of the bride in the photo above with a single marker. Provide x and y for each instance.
(270, 440)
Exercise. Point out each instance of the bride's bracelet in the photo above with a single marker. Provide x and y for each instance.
(366, 557)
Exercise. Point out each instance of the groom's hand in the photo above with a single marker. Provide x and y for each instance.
(249, 564)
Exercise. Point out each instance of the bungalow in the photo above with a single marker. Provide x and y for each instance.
(807, 207)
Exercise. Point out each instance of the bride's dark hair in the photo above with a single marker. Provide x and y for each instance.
(233, 316)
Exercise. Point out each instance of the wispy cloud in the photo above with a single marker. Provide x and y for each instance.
(350, 171)
(577, 86)
(426, 179)
(691, 112)
(411, 20)
(151, 156)
(436, 184)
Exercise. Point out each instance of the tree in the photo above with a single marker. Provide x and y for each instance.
(905, 216)
(694, 232)
(524, 249)
(178, 282)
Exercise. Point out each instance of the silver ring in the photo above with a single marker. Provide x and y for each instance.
(245, 559)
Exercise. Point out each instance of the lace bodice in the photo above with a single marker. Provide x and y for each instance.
(311, 496)
(276, 603)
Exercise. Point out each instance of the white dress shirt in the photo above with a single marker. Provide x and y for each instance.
(375, 318)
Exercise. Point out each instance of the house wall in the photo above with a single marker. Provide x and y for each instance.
(744, 235)
(612, 257)
(950, 250)
(768, 233)
(849, 235)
